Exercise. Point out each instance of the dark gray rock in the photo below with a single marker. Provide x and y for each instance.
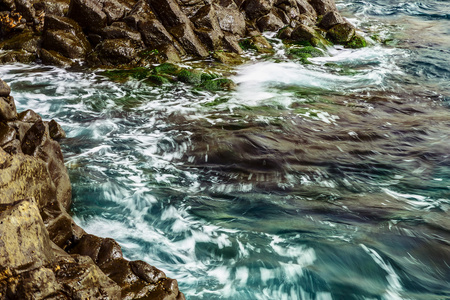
(270, 22)
(330, 19)
(88, 13)
(322, 7)
(341, 33)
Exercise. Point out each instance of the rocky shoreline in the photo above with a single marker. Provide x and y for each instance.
(130, 33)
(44, 254)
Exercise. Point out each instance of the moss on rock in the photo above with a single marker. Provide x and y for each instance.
(356, 42)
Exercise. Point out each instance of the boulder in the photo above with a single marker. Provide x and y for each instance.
(341, 33)
(270, 22)
(322, 7)
(7, 107)
(303, 33)
(53, 7)
(115, 52)
(188, 40)
(169, 12)
(255, 9)
(231, 19)
(120, 30)
(51, 57)
(5, 90)
(7, 134)
(25, 244)
(88, 13)
(331, 19)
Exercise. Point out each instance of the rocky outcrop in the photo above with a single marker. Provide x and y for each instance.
(117, 33)
(43, 253)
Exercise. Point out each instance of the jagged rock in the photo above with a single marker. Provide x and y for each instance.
(270, 22)
(322, 7)
(230, 19)
(114, 10)
(81, 279)
(25, 244)
(65, 36)
(257, 8)
(29, 116)
(19, 56)
(7, 134)
(51, 57)
(120, 30)
(169, 12)
(53, 7)
(285, 33)
(55, 130)
(88, 13)
(303, 33)
(231, 43)
(187, 38)
(116, 52)
(330, 19)
(210, 38)
(7, 108)
(36, 284)
(341, 33)
(307, 7)
(26, 9)
(26, 41)
(146, 272)
(5, 90)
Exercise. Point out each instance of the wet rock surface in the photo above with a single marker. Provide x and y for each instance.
(84, 32)
(43, 253)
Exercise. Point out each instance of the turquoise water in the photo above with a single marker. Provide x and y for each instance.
(322, 181)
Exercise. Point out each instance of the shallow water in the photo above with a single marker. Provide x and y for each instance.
(323, 181)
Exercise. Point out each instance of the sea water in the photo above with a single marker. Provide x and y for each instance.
(321, 181)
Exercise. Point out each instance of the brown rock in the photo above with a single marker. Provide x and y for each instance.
(25, 244)
(270, 22)
(53, 7)
(231, 19)
(88, 13)
(51, 57)
(7, 108)
(120, 30)
(303, 33)
(322, 7)
(7, 134)
(188, 40)
(55, 130)
(147, 272)
(330, 19)
(5, 90)
(257, 8)
(115, 52)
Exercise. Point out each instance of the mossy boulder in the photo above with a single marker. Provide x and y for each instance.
(304, 53)
(341, 33)
(218, 84)
(356, 42)
(256, 43)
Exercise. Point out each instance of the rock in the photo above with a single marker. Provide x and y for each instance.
(88, 13)
(146, 272)
(26, 9)
(114, 10)
(7, 107)
(306, 8)
(7, 134)
(231, 19)
(303, 33)
(187, 38)
(231, 43)
(66, 43)
(36, 284)
(53, 7)
(26, 41)
(34, 137)
(356, 42)
(55, 130)
(210, 38)
(51, 57)
(270, 22)
(82, 279)
(109, 251)
(5, 90)
(255, 9)
(341, 33)
(285, 33)
(115, 52)
(330, 19)
(88, 245)
(322, 7)
(120, 30)
(29, 116)
(19, 56)
(169, 12)
(25, 244)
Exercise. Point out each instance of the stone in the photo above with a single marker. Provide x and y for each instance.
(88, 245)
(26, 41)
(19, 56)
(55, 130)
(169, 12)
(29, 116)
(7, 134)
(114, 10)
(206, 18)
(228, 58)
(7, 108)
(5, 90)
(110, 250)
(210, 38)
(231, 20)
(115, 52)
(188, 40)
(255, 9)
(53, 7)
(231, 43)
(322, 7)
(66, 43)
(305, 7)
(270, 22)
(303, 33)
(330, 19)
(82, 279)
(154, 34)
(24, 241)
(51, 57)
(120, 30)
(285, 33)
(341, 33)
(26, 9)
(33, 138)
(88, 13)
(147, 272)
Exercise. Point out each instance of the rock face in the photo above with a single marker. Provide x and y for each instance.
(119, 33)
(43, 253)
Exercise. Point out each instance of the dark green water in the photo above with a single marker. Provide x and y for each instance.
(324, 181)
